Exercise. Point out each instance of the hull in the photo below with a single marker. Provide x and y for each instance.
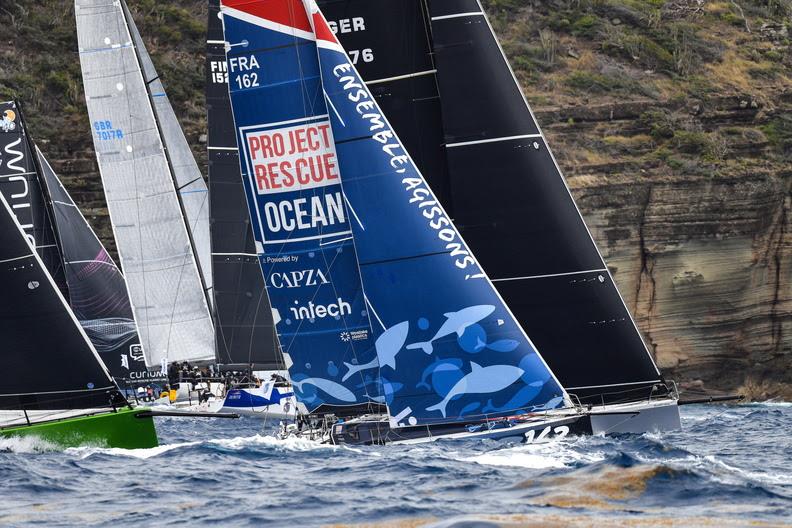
(264, 402)
(122, 429)
(635, 418)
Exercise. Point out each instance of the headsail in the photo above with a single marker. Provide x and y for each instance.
(97, 290)
(300, 219)
(48, 361)
(504, 193)
(244, 330)
(452, 350)
(155, 249)
(20, 185)
(190, 185)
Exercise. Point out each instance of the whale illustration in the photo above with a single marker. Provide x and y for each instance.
(480, 380)
(388, 345)
(455, 323)
(336, 390)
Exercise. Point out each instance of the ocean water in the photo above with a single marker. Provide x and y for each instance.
(729, 466)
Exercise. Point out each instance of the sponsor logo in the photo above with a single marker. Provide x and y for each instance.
(297, 279)
(319, 311)
(354, 335)
(8, 121)
(136, 352)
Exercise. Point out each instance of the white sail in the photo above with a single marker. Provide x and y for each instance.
(154, 245)
(190, 185)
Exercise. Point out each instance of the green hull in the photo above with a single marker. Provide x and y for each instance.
(112, 429)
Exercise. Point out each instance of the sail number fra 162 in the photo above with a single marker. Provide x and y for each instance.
(244, 70)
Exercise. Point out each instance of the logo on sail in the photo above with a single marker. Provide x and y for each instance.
(294, 172)
(7, 122)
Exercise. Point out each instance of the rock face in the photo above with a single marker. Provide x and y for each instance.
(671, 121)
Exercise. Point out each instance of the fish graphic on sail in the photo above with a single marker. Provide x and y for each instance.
(300, 217)
(416, 267)
(441, 78)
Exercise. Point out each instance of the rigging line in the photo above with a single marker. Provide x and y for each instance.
(335, 241)
(353, 211)
(550, 275)
(458, 15)
(614, 385)
(400, 77)
(327, 98)
(492, 140)
(191, 182)
(16, 258)
(374, 312)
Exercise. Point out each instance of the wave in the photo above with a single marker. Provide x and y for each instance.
(553, 455)
(88, 451)
(27, 444)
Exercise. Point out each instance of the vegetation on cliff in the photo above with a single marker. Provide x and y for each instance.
(672, 120)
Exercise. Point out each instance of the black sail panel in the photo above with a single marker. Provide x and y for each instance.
(48, 362)
(98, 294)
(515, 211)
(245, 331)
(20, 185)
(389, 42)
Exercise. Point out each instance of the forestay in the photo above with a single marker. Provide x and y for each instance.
(244, 329)
(449, 349)
(300, 219)
(168, 298)
(48, 361)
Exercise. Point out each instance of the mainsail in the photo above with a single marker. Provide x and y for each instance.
(155, 247)
(244, 329)
(48, 361)
(503, 188)
(452, 349)
(301, 222)
(20, 185)
(97, 290)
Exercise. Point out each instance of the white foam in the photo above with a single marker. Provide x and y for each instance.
(537, 456)
(291, 443)
(87, 451)
(27, 444)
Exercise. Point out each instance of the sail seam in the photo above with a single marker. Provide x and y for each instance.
(492, 140)
(16, 258)
(549, 275)
(458, 15)
(405, 76)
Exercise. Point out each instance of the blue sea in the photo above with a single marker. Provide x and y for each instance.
(731, 465)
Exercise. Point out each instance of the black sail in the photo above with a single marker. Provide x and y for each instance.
(48, 361)
(20, 185)
(389, 43)
(245, 331)
(97, 290)
(507, 195)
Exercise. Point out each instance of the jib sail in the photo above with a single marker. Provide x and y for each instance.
(154, 244)
(244, 330)
(448, 347)
(301, 222)
(97, 290)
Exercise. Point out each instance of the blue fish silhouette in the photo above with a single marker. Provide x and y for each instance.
(388, 345)
(455, 323)
(481, 380)
(336, 390)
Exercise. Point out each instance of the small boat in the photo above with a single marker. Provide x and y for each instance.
(268, 401)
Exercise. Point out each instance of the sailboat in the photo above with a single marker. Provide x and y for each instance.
(244, 330)
(56, 386)
(73, 255)
(563, 295)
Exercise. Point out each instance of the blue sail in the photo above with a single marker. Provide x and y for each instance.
(301, 223)
(449, 349)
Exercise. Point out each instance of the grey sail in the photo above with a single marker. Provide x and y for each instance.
(155, 248)
(190, 185)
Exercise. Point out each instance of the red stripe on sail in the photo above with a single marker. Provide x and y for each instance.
(286, 12)
(322, 30)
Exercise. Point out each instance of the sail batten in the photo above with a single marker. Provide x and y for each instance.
(155, 248)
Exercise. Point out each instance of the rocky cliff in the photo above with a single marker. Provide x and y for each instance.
(672, 120)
